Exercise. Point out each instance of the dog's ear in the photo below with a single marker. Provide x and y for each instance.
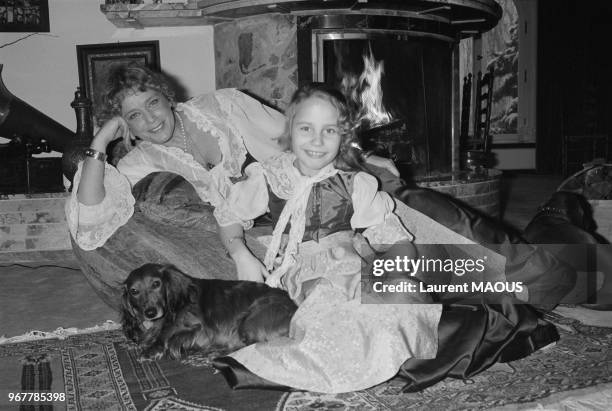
(126, 305)
(129, 322)
(577, 208)
(588, 221)
(177, 287)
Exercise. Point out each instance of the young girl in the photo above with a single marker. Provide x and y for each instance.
(319, 199)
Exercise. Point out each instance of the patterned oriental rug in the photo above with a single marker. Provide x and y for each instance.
(100, 371)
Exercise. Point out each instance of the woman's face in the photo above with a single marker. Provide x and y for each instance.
(149, 115)
(315, 135)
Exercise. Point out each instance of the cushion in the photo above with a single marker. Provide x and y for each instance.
(168, 198)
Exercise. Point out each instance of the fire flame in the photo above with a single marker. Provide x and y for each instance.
(366, 93)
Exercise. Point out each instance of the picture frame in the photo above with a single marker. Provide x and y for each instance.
(30, 16)
(96, 60)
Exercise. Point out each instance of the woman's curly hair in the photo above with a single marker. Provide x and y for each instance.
(350, 155)
(124, 79)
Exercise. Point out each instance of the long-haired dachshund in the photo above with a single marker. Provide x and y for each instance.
(166, 312)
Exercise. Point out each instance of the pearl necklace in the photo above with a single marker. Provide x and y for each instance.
(180, 121)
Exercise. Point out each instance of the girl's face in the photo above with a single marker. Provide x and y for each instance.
(315, 135)
(149, 115)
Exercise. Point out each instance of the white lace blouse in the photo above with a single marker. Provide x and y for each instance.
(237, 122)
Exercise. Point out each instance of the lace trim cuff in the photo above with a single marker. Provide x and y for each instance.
(225, 217)
(92, 226)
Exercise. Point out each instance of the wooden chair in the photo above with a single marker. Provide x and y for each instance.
(482, 111)
(477, 145)
(466, 101)
(577, 150)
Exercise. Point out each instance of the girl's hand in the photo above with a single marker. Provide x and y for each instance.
(113, 129)
(274, 279)
(249, 268)
(382, 162)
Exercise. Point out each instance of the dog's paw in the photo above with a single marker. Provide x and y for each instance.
(153, 353)
(176, 351)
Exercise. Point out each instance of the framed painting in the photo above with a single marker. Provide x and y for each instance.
(29, 16)
(96, 61)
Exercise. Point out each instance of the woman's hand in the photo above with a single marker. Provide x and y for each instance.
(384, 163)
(91, 187)
(113, 129)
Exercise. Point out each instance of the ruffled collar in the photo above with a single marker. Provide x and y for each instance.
(212, 114)
(284, 177)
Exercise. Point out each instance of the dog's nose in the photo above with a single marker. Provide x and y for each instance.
(150, 312)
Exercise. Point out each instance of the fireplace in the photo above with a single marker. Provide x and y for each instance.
(416, 89)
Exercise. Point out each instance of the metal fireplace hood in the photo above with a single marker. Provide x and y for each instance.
(457, 17)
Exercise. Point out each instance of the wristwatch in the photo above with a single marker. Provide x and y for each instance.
(98, 155)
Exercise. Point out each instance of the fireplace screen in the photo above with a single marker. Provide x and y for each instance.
(416, 94)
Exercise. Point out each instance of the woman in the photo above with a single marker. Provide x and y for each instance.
(206, 140)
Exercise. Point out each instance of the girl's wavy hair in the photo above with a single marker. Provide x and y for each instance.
(350, 155)
(124, 79)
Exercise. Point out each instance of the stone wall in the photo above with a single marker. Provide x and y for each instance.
(482, 192)
(33, 227)
(258, 55)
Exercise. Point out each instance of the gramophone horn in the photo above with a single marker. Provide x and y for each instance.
(19, 118)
